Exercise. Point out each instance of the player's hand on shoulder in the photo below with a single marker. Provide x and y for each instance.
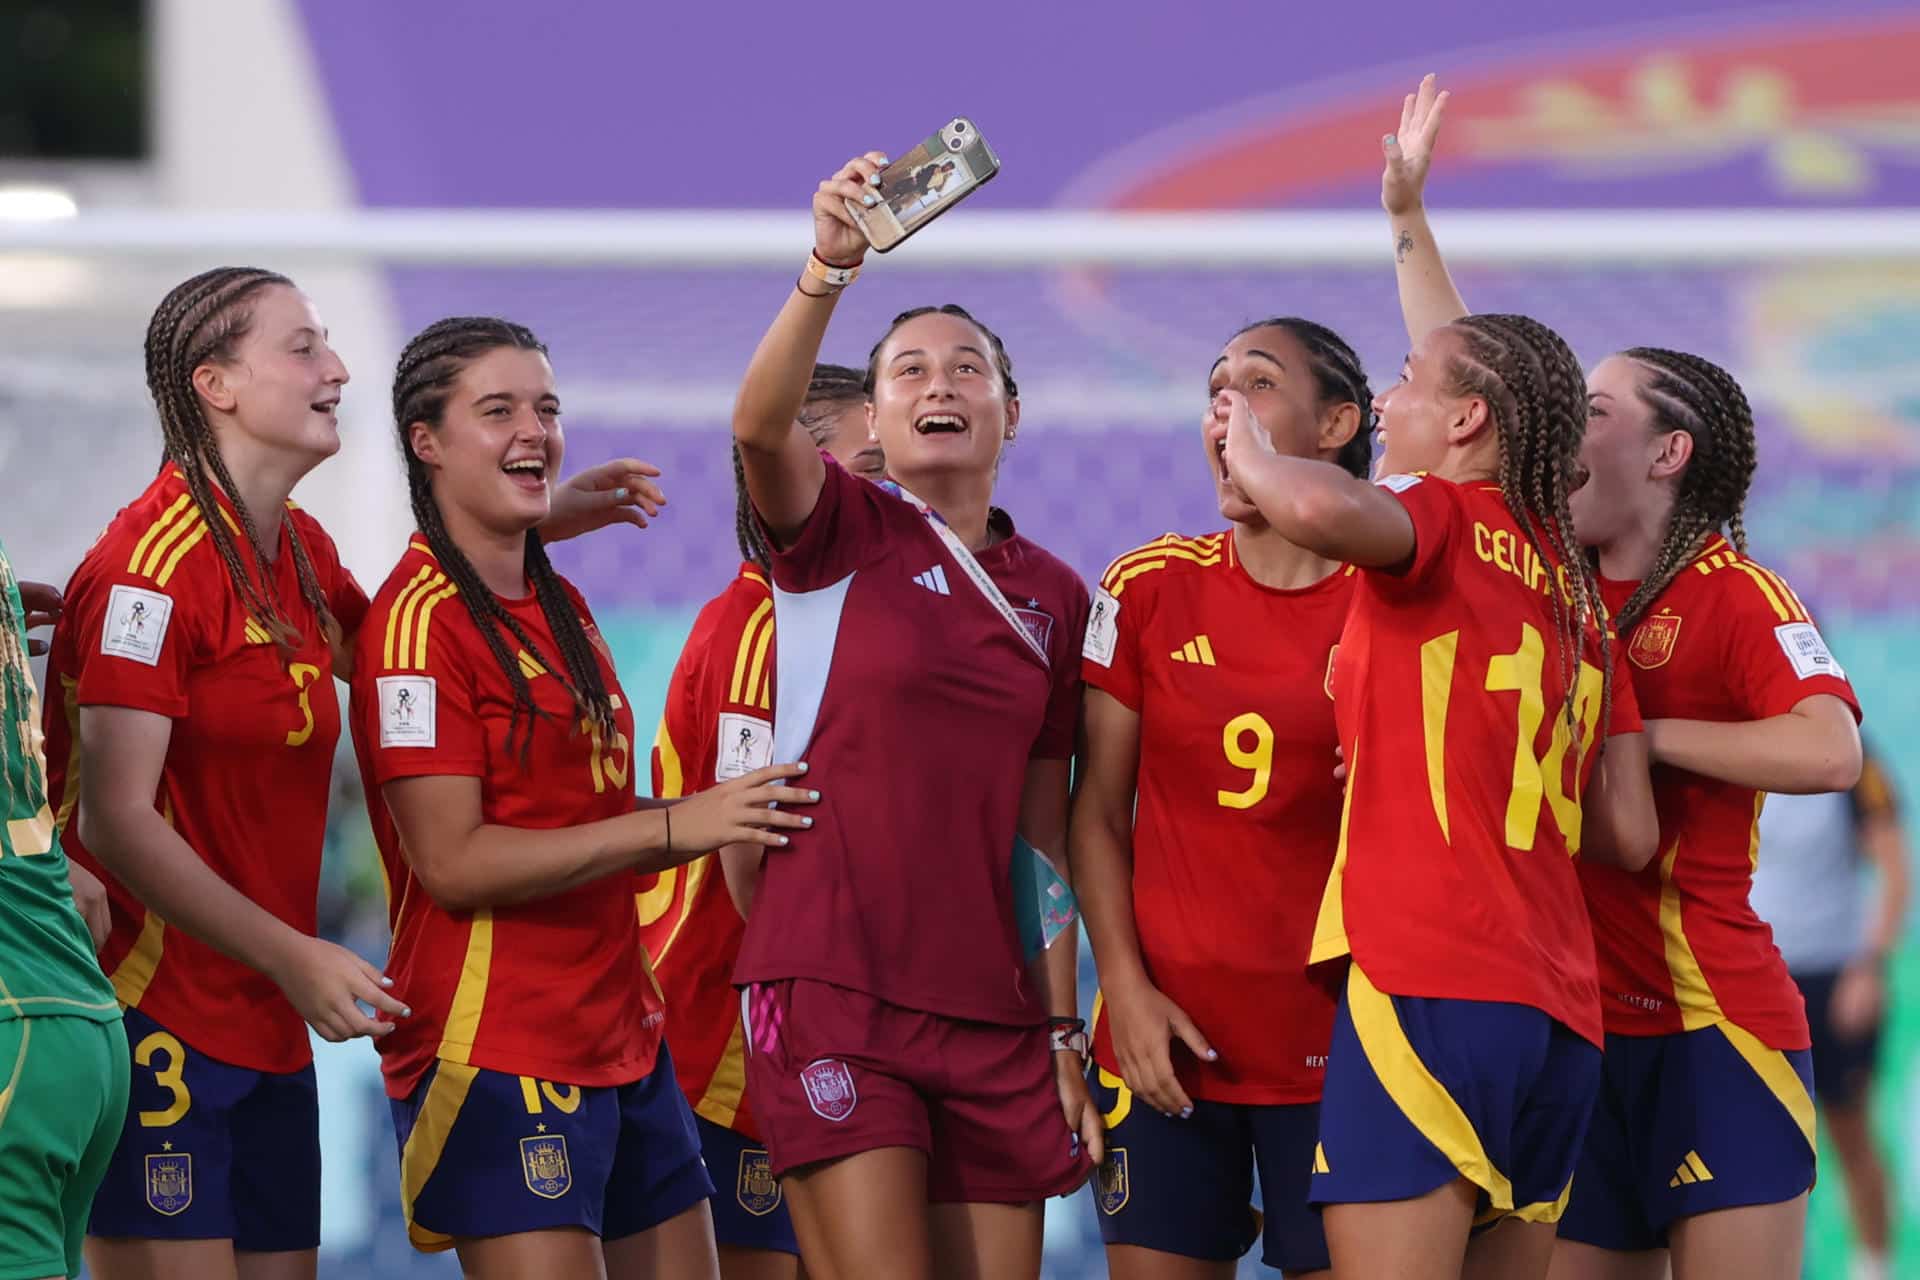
(90, 899)
(1144, 1023)
(1409, 150)
(621, 491)
(837, 238)
(739, 811)
(43, 604)
(324, 982)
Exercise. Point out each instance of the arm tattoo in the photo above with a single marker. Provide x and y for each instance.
(1403, 246)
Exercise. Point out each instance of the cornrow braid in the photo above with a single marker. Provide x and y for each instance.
(202, 321)
(422, 384)
(1694, 395)
(16, 686)
(1537, 396)
(832, 387)
(1340, 378)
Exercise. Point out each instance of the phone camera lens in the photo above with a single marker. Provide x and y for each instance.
(960, 126)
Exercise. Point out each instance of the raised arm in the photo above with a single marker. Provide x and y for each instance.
(783, 468)
(1428, 298)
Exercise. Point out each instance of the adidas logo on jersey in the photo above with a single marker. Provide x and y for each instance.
(934, 580)
(1199, 649)
(1693, 1169)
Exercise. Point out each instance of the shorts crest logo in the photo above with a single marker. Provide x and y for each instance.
(543, 1161)
(1111, 1185)
(755, 1187)
(1653, 640)
(170, 1182)
(830, 1091)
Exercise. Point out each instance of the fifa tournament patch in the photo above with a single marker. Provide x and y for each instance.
(136, 624)
(755, 1187)
(1807, 651)
(745, 743)
(1103, 629)
(544, 1165)
(830, 1091)
(407, 711)
(169, 1181)
(1398, 483)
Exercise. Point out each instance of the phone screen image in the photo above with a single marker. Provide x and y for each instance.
(915, 186)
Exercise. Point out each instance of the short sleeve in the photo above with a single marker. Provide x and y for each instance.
(845, 531)
(1434, 507)
(1110, 657)
(1774, 653)
(421, 720)
(677, 745)
(137, 638)
(1626, 704)
(1059, 732)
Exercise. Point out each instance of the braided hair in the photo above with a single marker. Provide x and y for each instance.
(1537, 397)
(1687, 393)
(422, 384)
(201, 322)
(16, 689)
(1002, 361)
(832, 388)
(1338, 376)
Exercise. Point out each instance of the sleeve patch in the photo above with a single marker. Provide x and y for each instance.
(136, 624)
(407, 711)
(1807, 651)
(1398, 484)
(745, 744)
(1103, 629)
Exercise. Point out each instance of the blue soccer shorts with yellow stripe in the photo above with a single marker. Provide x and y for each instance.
(1686, 1124)
(1422, 1091)
(483, 1153)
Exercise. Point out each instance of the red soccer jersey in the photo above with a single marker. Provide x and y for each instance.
(718, 724)
(557, 989)
(1238, 811)
(1680, 947)
(1455, 878)
(918, 708)
(153, 622)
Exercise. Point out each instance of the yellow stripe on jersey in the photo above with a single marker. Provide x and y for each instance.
(529, 665)
(154, 530)
(1766, 588)
(70, 789)
(759, 674)
(1546, 1210)
(187, 544)
(1753, 832)
(1167, 555)
(424, 617)
(1786, 593)
(1330, 926)
(463, 1018)
(390, 653)
(1207, 545)
(754, 575)
(1422, 1099)
(420, 544)
(134, 973)
(188, 523)
(1698, 1006)
(737, 690)
(721, 1102)
(428, 1142)
(1436, 694)
(672, 782)
(1122, 1099)
(1778, 1075)
(255, 633)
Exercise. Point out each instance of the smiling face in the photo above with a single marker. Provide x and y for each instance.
(498, 444)
(280, 384)
(1273, 370)
(1628, 461)
(1420, 416)
(940, 406)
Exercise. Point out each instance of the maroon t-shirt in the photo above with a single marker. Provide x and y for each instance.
(918, 709)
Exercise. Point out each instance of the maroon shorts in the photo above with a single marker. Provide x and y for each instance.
(834, 1072)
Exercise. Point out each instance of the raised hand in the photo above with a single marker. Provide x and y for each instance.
(1234, 425)
(1409, 150)
(738, 812)
(618, 492)
(837, 238)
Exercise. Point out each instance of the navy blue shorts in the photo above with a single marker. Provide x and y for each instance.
(1842, 1064)
(748, 1210)
(1186, 1186)
(211, 1151)
(1422, 1091)
(483, 1153)
(1686, 1124)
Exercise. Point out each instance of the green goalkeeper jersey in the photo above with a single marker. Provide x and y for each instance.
(47, 965)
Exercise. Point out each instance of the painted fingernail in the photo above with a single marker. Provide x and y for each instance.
(803, 766)
(869, 199)
(406, 1013)
(806, 822)
(1388, 139)
(784, 840)
(812, 795)
(386, 981)
(619, 493)
(1186, 1112)
(1213, 1055)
